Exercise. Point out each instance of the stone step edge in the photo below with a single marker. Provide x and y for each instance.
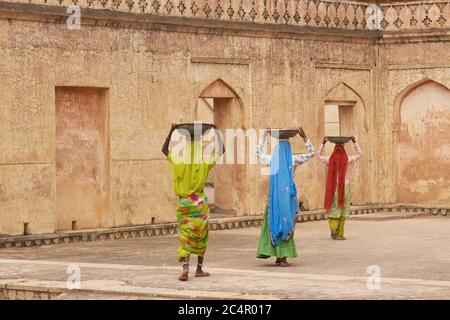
(145, 231)
(386, 216)
(36, 290)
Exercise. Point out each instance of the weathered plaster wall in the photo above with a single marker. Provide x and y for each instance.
(82, 158)
(155, 77)
(27, 196)
(423, 146)
(404, 67)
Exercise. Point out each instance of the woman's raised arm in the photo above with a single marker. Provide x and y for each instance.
(165, 148)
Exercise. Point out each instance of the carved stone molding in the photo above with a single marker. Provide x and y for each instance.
(329, 14)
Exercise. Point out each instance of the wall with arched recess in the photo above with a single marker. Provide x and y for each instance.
(332, 83)
(229, 175)
(422, 147)
(402, 68)
(156, 72)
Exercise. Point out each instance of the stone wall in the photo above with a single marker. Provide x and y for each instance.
(408, 67)
(155, 70)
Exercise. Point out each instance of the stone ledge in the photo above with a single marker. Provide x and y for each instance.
(13, 290)
(385, 216)
(47, 290)
(215, 224)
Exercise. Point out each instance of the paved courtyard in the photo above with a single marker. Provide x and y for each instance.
(412, 255)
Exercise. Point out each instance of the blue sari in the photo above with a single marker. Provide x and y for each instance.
(283, 202)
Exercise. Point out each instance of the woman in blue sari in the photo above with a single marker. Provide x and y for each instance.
(277, 232)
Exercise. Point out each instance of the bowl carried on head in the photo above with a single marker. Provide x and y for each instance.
(338, 140)
(194, 129)
(283, 134)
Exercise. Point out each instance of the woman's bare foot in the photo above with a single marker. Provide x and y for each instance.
(278, 261)
(284, 263)
(184, 276)
(341, 238)
(200, 274)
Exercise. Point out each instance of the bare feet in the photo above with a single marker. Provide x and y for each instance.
(341, 238)
(278, 261)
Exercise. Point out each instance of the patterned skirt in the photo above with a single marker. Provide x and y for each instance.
(193, 216)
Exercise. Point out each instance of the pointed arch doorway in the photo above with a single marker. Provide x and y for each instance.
(218, 103)
(344, 114)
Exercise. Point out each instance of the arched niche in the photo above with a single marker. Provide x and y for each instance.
(422, 147)
(219, 103)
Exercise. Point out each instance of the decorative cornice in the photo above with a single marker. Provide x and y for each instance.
(120, 19)
(323, 14)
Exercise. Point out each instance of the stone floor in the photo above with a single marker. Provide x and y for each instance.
(412, 255)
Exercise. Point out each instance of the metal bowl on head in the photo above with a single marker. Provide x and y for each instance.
(194, 128)
(339, 140)
(283, 133)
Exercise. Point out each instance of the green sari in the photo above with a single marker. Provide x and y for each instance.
(189, 177)
(285, 249)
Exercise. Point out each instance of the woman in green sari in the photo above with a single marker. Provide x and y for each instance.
(189, 176)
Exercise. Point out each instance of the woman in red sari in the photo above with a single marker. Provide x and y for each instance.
(337, 192)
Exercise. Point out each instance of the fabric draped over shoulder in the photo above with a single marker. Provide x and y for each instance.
(191, 171)
(337, 168)
(283, 202)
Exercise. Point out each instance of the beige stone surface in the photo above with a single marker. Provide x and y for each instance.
(155, 71)
(423, 145)
(27, 196)
(82, 158)
(137, 194)
(410, 254)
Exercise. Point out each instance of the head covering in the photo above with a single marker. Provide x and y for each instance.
(191, 171)
(283, 203)
(337, 168)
